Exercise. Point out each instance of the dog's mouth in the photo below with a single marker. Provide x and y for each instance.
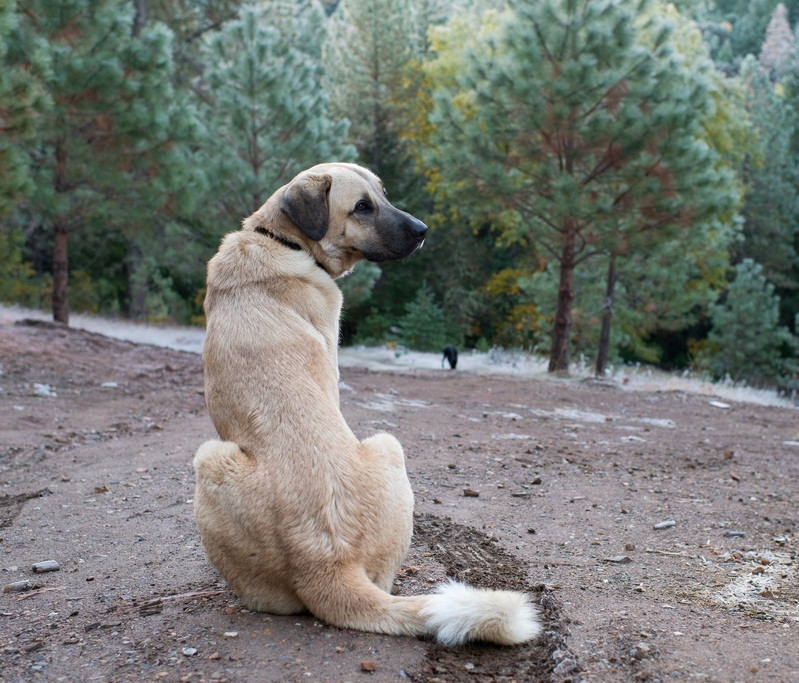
(383, 254)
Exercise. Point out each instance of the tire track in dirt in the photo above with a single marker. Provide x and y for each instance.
(469, 555)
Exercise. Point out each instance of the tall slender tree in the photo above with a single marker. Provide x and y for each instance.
(585, 135)
(264, 105)
(105, 151)
(20, 98)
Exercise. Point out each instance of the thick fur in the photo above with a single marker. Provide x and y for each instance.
(295, 512)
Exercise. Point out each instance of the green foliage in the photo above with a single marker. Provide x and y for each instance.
(540, 140)
(771, 172)
(374, 329)
(18, 281)
(358, 285)
(583, 125)
(423, 327)
(746, 340)
(265, 110)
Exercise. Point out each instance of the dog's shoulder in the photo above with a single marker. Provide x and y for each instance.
(245, 257)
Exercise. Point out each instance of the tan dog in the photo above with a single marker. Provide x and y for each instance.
(294, 511)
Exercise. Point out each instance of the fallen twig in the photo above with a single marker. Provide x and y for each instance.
(38, 591)
(666, 552)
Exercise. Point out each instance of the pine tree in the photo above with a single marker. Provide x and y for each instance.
(423, 327)
(20, 98)
(106, 153)
(367, 56)
(584, 127)
(746, 339)
(778, 45)
(771, 173)
(266, 112)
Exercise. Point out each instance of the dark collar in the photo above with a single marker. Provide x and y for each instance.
(286, 243)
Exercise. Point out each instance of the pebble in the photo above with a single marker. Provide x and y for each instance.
(189, 651)
(231, 634)
(629, 547)
(368, 665)
(18, 587)
(735, 534)
(719, 404)
(618, 559)
(46, 566)
(565, 666)
(664, 525)
(44, 390)
(469, 493)
(521, 494)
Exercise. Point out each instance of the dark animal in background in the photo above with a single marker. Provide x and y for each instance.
(451, 355)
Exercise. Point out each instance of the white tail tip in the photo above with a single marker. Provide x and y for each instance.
(457, 613)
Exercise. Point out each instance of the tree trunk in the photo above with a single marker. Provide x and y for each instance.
(60, 266)
(607, 317)
(559, 355)
(136, 286)
(140, 18)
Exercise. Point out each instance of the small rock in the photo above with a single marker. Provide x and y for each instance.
(102, 489)
(530, 530)
(618, 559)
(437, 501)
(664, 525)
(469, 493)
(629, 547)
(214, 656)
(231, 634)
(521, 494)
(368, 665)
(719, 404)
(46, 566)
(565, 666)
(468, 666)
(734, 534)
(641, 651)
(189, 651)
(109, 385)
(44, 390)
(536, 481)
(18, 587)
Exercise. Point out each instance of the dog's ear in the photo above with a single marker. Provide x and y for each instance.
(304, 202)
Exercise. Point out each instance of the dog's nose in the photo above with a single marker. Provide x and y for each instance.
(419, 229)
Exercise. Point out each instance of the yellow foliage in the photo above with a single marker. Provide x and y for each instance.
(505, 282)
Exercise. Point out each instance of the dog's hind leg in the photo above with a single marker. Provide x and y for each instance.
(393, 515)
(239, 550)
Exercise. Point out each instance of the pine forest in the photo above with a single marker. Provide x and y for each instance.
(605, 181)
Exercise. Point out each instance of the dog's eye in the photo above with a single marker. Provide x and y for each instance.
(362, 206)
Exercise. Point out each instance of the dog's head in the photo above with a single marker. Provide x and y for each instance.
(344, 215)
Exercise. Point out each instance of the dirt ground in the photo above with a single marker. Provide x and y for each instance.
(553, 487)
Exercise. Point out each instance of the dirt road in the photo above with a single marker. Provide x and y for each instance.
(565, 481)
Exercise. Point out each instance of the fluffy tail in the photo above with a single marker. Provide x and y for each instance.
(454, 614)
(458, 613)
